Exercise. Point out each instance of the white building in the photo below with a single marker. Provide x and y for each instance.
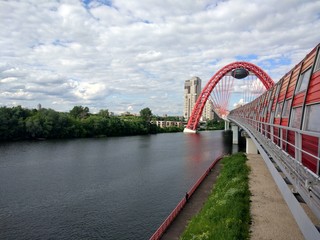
(164, 124)
(192, 89)
(208, 113)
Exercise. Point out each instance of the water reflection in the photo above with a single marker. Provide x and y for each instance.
(199, 146)
(194, 147)
(113, 188)
(227, 142)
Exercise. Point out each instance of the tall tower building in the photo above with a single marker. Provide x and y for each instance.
(192, 89)
(208, 113)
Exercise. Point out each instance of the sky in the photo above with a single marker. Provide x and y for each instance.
(125, 55)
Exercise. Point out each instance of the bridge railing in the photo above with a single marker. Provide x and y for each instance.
(289, 147)
(167, 222)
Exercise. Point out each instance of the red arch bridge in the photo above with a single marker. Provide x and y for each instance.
(282, 124)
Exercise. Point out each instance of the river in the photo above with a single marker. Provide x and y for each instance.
(108, 188)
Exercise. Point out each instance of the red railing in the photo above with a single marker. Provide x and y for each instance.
(166, 223)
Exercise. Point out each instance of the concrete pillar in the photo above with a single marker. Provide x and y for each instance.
(235, 133)
(226, 125)
(250, 146)
(187, 130)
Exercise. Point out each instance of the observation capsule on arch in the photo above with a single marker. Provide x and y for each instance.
(239, 73)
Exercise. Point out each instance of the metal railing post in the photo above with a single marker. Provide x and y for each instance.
(297, 146)
(281, 137)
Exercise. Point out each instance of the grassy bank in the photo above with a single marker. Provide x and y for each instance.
(226, 214)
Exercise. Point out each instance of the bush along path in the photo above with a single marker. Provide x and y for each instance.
(226, 214)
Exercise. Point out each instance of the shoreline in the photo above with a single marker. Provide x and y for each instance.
(270, 216)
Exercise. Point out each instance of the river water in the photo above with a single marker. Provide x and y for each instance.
(111, 188)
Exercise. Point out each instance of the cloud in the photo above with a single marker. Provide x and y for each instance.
(115, 54)
(240, 103)
(149, 56)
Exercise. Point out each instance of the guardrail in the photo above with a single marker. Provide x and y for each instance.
(278, 134)
(287, 169)
(167, 222)
(273, 138)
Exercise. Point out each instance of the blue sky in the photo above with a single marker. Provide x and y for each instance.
(126, 55)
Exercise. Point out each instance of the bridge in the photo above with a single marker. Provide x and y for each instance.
(282, 124)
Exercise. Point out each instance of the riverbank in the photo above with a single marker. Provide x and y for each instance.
(193, 206)
(270, 216)
(19, 123)
(226, 213)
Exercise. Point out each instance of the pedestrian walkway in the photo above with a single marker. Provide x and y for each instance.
(271, 217)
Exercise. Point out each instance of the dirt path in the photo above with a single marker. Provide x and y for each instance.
(271, 217)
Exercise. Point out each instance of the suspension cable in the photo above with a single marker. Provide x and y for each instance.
(250, 88)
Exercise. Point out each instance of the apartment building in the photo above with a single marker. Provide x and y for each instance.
(192, 89)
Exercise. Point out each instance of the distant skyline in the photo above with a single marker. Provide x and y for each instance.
(125, 55)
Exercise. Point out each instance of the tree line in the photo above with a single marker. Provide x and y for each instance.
(17, 123)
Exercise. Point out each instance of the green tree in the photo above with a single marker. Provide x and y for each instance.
(19, 123)
(12, 123)
(104, 113)
(79, 112)
(39, 125)
(214, 124)
(146, 114)
(5, 123)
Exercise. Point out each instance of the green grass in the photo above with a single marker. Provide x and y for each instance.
(226, 214)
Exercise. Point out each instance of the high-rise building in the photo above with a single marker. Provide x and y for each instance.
(192, 89)
(208, 113)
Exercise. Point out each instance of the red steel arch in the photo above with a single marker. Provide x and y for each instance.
(202, 99)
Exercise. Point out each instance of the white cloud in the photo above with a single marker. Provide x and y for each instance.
(8, 80)
(85, 91)
(149, 56)
(240, 103)
(133, 53)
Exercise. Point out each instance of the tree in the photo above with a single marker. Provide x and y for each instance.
(146, 114)
(104, 113)
(5, 123)
(214, 124)
(19, 123)
(79, 112)
(12, 124)
(39, 125)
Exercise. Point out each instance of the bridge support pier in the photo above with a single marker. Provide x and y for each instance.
(250, 146)
(226, 125)
(235, 133)
(187, 130)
